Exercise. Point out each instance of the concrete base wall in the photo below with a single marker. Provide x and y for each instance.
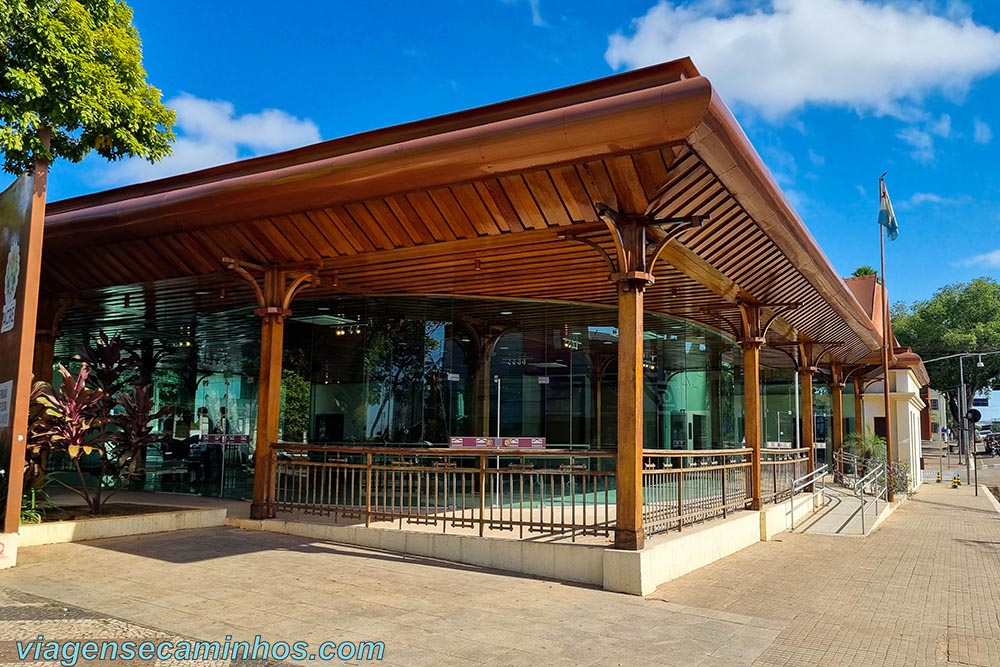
(664, 558)
(671, 556)
(8, 550)
(118, 526)
(568, 562)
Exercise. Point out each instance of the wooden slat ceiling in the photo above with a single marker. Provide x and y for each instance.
(502, 236)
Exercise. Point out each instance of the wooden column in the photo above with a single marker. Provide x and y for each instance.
(273, 302)
(483, 339)
(19, 343)
(715, 398)
(268, 395)
(482, 394)
(751, 412)
(44, 359)
(600, 358)
(859, 405)
(808, 416)
(628, 530)
(751, 342)
(837, 405)
(631, 268)
(806, 371)
(50, 312)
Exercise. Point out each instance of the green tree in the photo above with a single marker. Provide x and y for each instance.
(864, 270)
(75, 68)
(295, 397)
(396, 367)
(964, 317)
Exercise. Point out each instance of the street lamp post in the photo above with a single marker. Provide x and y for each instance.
(963, 429)
(962, 409)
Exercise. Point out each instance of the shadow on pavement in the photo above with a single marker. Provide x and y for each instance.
(204, 544)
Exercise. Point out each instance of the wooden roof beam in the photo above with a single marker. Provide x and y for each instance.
(685, 260)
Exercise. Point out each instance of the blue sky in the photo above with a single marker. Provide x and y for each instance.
(831, 92)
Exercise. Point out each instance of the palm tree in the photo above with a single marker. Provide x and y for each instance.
(864, 270)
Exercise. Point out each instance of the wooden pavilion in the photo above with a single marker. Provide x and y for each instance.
(638, 191)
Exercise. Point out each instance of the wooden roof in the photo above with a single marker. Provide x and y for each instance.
(484, 202)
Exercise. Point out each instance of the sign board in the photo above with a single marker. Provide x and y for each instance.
(20, 265)
(777, 444)
(6, 398)
(227, 439)
(497, 443)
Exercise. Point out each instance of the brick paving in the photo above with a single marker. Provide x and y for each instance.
(25, 617)
(918, 591)
(921, 590)
(222, 581)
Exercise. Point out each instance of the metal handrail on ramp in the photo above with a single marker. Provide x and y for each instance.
(817, 480)
(878, 479)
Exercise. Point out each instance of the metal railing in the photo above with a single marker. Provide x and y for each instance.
(815, 481)
(683, 487)
(874, 483)
(846, 466)
(531, 491)
(779, 468)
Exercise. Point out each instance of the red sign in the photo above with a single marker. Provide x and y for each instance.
(227, 439)
(497, 443)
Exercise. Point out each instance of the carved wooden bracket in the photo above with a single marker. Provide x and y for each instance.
(634, 255)
(280, 286)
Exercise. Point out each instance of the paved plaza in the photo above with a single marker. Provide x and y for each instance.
(919, 591)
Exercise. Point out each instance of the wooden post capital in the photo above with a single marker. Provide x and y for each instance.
(273, 311)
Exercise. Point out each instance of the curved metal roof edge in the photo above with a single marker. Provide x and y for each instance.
(647, 116)
(609, 86)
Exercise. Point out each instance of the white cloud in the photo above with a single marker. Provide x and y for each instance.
(926, 198)
(210, 133)
(816, 159)
(981, 132)
(922, 140)
(941, 127)
(536, 12)
(933, 199)
(780, 55)
(922, 143)
(990, 260)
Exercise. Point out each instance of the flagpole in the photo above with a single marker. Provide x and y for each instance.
(890, 496)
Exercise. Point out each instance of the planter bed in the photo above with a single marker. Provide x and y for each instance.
(73, 524)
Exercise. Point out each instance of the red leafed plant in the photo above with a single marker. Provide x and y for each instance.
(102, 411)
(72, 422)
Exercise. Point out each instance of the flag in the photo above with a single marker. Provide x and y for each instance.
(886, 216)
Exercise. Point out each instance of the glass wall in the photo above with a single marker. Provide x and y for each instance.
(779, 407)
(204, 369)
(418, 371)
